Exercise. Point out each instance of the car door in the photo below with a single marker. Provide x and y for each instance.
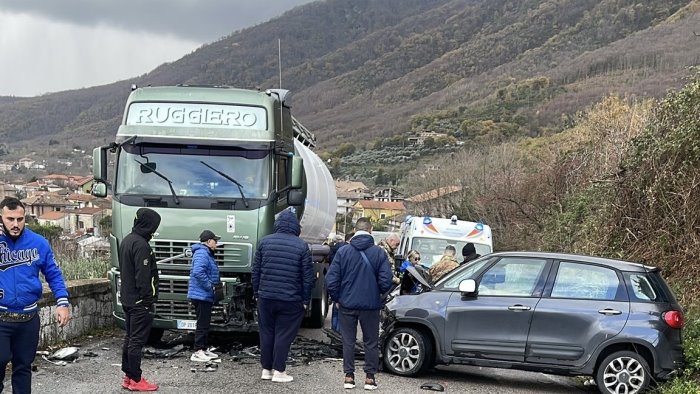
(494, 324)
(582, 307)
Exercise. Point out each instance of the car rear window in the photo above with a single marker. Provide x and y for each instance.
(645, 287)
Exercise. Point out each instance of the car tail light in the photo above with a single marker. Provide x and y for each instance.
(674, 319)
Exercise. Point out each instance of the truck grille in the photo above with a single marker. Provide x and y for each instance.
(184, 310)
(228, 254)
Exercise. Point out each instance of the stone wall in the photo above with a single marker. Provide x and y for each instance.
(91, 308)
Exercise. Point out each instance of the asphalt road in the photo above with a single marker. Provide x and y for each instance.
(101, 374)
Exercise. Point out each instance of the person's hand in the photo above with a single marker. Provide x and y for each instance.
(62, 315)
(306, 307)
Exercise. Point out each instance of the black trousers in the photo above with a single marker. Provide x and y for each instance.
(369, 323)
(138, 327)
(278, 323)
(18, 342)
(203, 311)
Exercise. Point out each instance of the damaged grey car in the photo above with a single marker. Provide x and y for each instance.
(561, 314)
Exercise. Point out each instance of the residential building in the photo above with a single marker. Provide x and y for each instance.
(55, 218)
(348, 193)
(440, 202)
(388, 194)
(41, 203)
(377, 210)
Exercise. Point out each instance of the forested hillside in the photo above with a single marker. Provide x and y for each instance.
(481, 70)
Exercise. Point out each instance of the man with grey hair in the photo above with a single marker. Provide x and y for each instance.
(356, 281)
(389, 244)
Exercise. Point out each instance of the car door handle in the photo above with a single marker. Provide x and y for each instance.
(609, 312)
(519, 308)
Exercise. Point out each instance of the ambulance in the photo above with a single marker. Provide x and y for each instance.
(429, 236)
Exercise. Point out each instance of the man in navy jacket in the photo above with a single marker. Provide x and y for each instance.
(356, 280)
(283, 277)
(23, 254)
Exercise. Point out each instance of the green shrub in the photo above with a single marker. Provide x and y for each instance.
(83, 267)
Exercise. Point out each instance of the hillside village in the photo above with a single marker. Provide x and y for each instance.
(63, 201)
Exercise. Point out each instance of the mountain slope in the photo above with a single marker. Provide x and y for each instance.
(374, 68)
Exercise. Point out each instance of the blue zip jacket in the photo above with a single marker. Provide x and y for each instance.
(283, 269)
(352, 282)
(204, 274)
(21, 261)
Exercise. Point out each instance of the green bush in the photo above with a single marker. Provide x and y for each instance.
(83, 267)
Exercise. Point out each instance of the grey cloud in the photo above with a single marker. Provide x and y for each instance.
(201, 20)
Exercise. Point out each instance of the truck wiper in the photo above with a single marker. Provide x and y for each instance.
(240, 187)
(170, 183)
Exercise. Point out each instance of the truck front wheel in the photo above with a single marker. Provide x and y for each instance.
(319, 309)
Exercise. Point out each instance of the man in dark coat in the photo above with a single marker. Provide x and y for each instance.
(283, 278)
(139, 292)
(358, 277)
(469, 253)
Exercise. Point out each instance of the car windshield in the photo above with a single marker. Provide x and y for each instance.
(432, 249)
(148, 170)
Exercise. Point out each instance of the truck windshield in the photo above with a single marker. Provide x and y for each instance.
(432, 249)
(183, 166)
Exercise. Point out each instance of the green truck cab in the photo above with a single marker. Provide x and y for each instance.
(213, 158)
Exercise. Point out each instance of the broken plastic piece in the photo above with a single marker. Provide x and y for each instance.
(432, 386)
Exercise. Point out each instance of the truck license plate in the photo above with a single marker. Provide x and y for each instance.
(186, 324)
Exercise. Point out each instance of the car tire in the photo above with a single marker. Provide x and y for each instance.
(407, 352)
(623, 371)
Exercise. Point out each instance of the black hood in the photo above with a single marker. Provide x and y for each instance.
(146, 222)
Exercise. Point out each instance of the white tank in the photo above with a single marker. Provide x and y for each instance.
(321, 202)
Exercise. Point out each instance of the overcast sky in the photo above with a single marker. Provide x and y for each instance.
(53, 45)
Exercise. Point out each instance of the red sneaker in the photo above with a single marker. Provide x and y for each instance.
(142, 385)
(126, 381)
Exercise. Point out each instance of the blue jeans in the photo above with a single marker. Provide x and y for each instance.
(18, 342)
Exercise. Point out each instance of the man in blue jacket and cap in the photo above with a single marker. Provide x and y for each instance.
(359, 276)
(23, 254)
(203, 277)
(283, 277)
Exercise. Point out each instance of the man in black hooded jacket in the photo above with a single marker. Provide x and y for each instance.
(139, 291)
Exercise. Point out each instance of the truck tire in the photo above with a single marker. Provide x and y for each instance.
(319, 309)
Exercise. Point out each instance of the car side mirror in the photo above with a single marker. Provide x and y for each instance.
(467, 287)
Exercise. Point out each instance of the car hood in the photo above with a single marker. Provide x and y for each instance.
(417, 274)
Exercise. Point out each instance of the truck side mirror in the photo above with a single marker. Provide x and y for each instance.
(297, 172)
(99, 164)
(99, 189)
(295, 197)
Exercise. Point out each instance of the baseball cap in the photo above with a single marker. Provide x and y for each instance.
(206, 235)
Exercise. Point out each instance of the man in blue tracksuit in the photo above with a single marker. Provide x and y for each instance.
(356, 280)
(23, 254)
(203, 276)
(283, 277)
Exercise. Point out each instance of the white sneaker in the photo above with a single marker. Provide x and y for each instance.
(266, 374)
(200, 357)
(211, 355)
(281, 377)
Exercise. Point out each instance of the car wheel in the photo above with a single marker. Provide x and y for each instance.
(623, 372)
(407, 352)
